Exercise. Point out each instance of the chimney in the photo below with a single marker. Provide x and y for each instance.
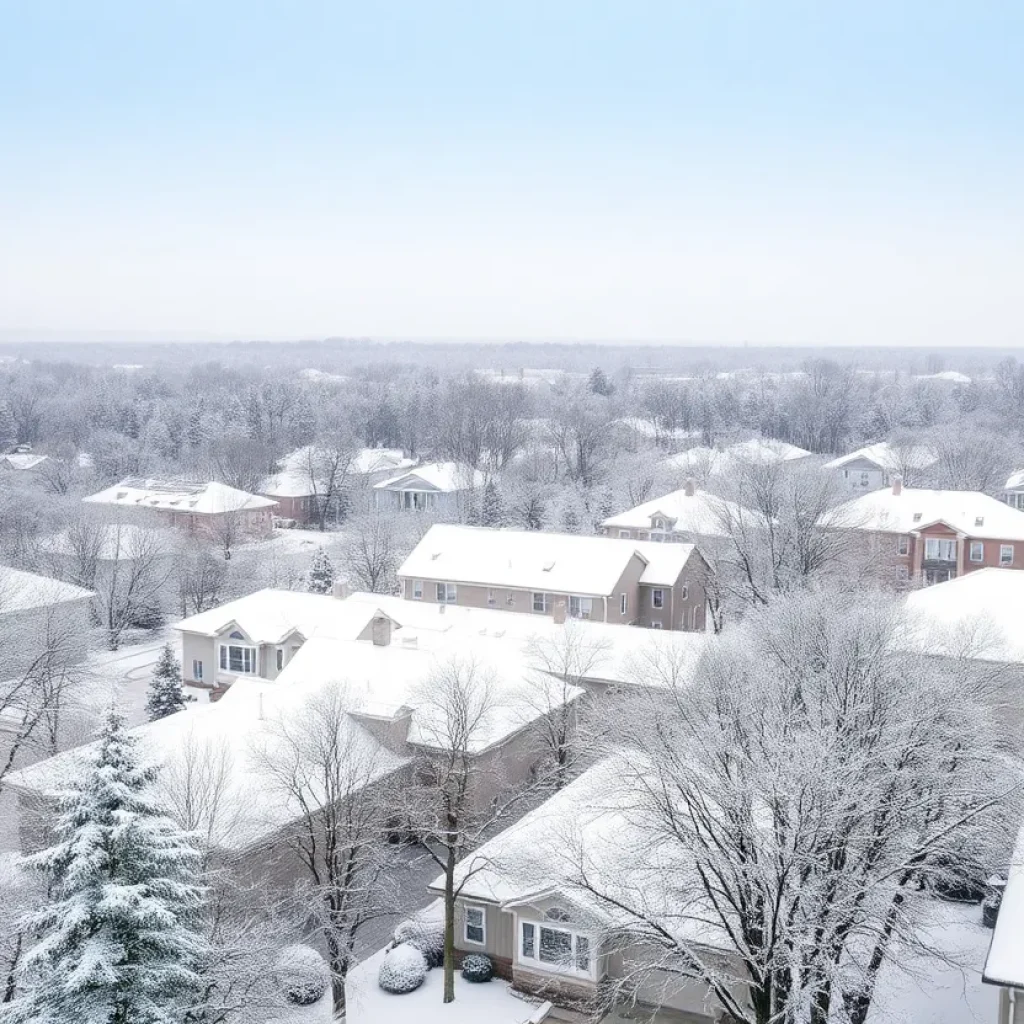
(690, 487)
(897, 485)
(340, 590)
(381, 629)
(559, 613)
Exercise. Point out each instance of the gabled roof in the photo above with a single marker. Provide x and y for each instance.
(888, 457)
(438, 476)
(1015, 481)
(293, 478)
(758, 451)
(271, 616)
(969, 512)
(558, 563)
(203, 499)
(22, 460)
(699, 514)
(21, 590)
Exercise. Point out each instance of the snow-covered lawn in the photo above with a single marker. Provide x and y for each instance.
(945, 986)
(489, 1003)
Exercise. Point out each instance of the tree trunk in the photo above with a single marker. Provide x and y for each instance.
(338, 963)
(449, 926)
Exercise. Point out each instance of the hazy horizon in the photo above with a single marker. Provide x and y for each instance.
(766, 175)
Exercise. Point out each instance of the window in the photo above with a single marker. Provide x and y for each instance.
(235, 658)
(658, 598)
(540, 602)
(556, 948)
(658, 524)
(446, 593)
(623, 603)
(1006, 554)
(902, 544)
(917, 517)
(656, 624)
(417, 590)
(979, 520)
(280, 658)
(580, 607)
(197, 670)
(864, 481)
(977, 551)
(491, 598)
(417, 501)
(694, 617)
(938, 549)
(476, 926)
(686, 591)
(624, 533)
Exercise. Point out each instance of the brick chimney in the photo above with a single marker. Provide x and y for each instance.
(691, 487)
(340, 590)
(381, 631)
(897, 485)
(559, 612)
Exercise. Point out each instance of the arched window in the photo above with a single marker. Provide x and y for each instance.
(557, 914)
(237, 636)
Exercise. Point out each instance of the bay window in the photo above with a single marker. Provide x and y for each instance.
(938, 549)
(556, 948)
(238, 658)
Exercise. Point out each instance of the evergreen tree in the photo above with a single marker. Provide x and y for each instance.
(321, 573)
(570, 520)
(165, 690)
(492, 509)
(120, 941)
(599, 384)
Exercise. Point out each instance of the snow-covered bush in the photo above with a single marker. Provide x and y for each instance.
(402, 970)
(990, 909)
(426, 936)
(476, 967)
(302, 974)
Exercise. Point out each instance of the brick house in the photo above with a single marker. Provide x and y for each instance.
(660, 586)
(923, 537)
(212, 510)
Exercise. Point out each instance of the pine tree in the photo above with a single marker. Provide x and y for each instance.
(120, 940)
(321, 573)
(492, 509)
(165, 690)
(599, 384)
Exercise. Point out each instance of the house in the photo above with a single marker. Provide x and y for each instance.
(1004, 965)
(925, 537)
(44, 623)
(22, 461)
(390, 721)
(440, 487)
(684, 516)
(1013, 490)
(309, 472)
(522, 902)
(552, 574)
(877, 465)
(212, 510)
(256, 636)
(702, 462)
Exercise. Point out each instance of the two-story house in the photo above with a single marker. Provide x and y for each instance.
(559, 575)
(684, 516)
(877, 465)
(919, 536)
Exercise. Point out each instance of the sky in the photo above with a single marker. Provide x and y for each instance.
(826, 173)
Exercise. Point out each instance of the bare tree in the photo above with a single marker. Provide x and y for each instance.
(326, 467)
(373, 550)
(336, 776)
(201, 576)
(801, 798)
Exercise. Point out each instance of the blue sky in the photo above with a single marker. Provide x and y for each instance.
(810, 173)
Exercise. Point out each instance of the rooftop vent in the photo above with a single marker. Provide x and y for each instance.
(435, 556)
(979, 520)
(917, 517)
(548, 566)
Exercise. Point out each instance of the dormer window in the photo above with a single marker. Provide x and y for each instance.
(659, 524)
(237, 636)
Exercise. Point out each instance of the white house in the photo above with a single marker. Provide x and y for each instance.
(433, 487)
(682, 516)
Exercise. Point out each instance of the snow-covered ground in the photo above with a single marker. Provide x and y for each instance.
(943, 987)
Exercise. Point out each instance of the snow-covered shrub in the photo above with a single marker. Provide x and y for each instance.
(990, 909)
(302, 974)
(476, 967)
(426, 936)
(403, 969)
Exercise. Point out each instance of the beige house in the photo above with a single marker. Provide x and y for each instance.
(522, 902)
(559, 575)
(686, 516)
(213, 510)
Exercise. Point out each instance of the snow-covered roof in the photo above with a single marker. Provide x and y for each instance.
(388, 679)
(109, 542)
(1015, 481)
(21, 590)
(245, 720)
(22, 460)
(969, 512)
(759, 451)
(293, 480)
(699, 513)
(557, 563)
(977, 615)
(437, 476)
(947, 376)
(590, 821)
(1004, 964)
(269, 616)
(888, 457)
(203, 499)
